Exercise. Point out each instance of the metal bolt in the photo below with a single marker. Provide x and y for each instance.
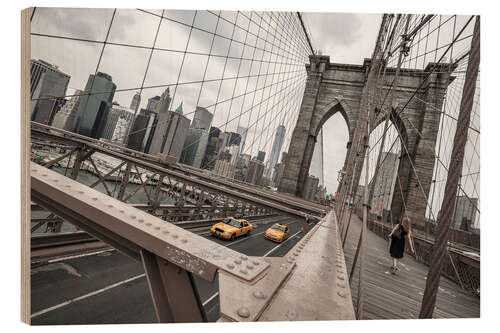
(56, 180)
(259, 294)
(80, 192)
(175, 236)
(340, 277)
(121, 211)
(157, 228)
(249, 266)
(243, 258)
(341, 285)
(68, 186)
(237, 261)
(256, 263)
(341, 294)
(243, 271)
(166, 232)
(184, 240)
(230, 266)
(295, 253)
(140, 220)
(110, 206)
(34, 170)
(243, 312)
(290, 260)
(148, 224)
(95, 198)
(132, 217)
(44, 175)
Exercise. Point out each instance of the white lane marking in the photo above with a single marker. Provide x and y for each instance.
(79, 298)
(79, 256)
(265, 255)
(210, 298)
(96, 292)
(260, 233)
(277, 246)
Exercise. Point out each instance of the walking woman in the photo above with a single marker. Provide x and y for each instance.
(398, 238)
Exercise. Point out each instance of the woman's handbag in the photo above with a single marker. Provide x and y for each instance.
(397, 232)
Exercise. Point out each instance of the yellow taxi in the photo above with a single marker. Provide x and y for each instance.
(277, 233)
(230, 228)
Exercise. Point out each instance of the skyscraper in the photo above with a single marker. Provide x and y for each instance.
(171, 129)
(261, 156)
(150, 128)
(153, 103)
(67, 113)
(48, 88)
(137, 132)
(136, 101)
(385, 183)
(202, 118)
(242, 131)
(116, 112)
(94, 107)
(197, 138)
(279, 138)
(464, 216)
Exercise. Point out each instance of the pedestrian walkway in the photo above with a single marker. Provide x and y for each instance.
(399, 296)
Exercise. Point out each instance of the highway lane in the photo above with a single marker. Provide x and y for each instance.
(109, 287)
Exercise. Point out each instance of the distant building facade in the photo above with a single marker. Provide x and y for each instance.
(171, 129)
(279, 138)
(67, 113)
(385, 183)
(136, 101)
(255, 172)
(242, 131)
(48, 88)
(116, 112)
(464, 217)
(94, 107)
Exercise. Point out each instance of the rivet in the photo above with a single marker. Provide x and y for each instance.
(34, 170)
(121, 211)
(157, 228)
(230, 266)
(340, 277)
(184, 240)
(68, 186)
(259, 294)
(243, 271)
(56, 180)
(295, 253)
(243, 258)
(256, 263)
(243, 312)
(132, 217)
(166, 232)
(80, 192)
(249, 266)
(290, 260)
(44, 175)
(237, 261)
(341, 293)
(110, 206)
(94, 198)
(148, 224)
(140, 220)
(341, 285)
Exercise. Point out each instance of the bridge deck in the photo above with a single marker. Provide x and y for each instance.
(399, 296)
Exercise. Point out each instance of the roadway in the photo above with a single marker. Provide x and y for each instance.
(108, 287)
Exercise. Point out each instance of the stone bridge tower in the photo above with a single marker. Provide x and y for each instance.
(332, 88)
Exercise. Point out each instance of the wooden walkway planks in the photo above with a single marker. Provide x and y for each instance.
(399, 296)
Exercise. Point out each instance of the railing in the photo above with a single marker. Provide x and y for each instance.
(267, 287)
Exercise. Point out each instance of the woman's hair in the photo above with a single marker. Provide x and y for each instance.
(406, 223)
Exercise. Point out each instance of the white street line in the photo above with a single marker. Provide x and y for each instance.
(265, 255)
(277, 246)
(79, 256)
(210, 298)
(96, 292)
